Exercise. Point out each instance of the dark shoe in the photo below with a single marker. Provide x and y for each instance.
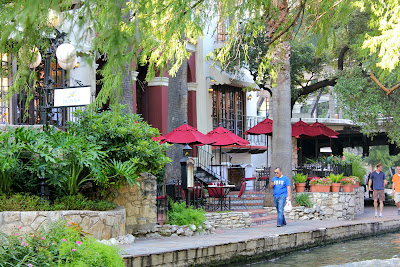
(279, 225)
(284, 223)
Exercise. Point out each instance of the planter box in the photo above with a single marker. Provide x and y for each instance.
(320, 188)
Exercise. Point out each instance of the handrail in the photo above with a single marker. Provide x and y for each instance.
(205, 160)
(323, 169)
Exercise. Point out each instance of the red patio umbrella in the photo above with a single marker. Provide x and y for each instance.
(301, 128)
(263, 127)
(186, 134)
(224, 137)
(320, 129)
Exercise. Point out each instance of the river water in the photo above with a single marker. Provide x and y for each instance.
(383, 247)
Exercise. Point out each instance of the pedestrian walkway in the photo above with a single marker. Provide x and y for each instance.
(257, 241)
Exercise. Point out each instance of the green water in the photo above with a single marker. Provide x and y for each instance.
(378, 247)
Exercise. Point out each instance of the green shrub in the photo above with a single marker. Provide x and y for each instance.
(180, 214)
(127, 141)
(25, 202)
(61, 244)
(303, 200)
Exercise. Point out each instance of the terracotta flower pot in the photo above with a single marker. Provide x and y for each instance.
(335, 187)
(347, 188)
(320, 188)
(300, 187)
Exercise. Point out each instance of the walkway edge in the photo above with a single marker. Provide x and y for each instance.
(268, 246)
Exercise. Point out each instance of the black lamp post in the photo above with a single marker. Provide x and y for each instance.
(43, 187)
(184, 174)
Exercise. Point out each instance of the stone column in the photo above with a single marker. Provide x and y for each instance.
(140, 203)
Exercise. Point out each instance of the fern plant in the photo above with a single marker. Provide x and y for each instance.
(303, 200)
(180, 214)
(299, 178)
(335, 178)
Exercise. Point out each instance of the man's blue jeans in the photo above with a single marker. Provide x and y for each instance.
(280, 202)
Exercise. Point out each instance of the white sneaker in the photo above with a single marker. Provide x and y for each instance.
(376, 214)
(380, 214)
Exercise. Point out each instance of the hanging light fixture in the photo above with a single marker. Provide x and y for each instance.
(66, 56)
(36, 58)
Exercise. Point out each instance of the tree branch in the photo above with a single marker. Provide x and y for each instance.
(341, 57)
(302, 6)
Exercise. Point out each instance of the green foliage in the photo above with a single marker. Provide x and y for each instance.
(9, 161)
(154, 33)
(61, 244)
(98, 154)
(380, 154)
(180, 214)
(299, 178)
(127, 141)
(335, 178)
(303, 200)
(26, 202)
(357, 166)
(78, 161)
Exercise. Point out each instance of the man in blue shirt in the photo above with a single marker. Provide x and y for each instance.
(379, 182)
(281, 185)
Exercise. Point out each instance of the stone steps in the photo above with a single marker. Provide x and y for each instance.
(261, 217)
(250, 200)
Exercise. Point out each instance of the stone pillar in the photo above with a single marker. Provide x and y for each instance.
(140, 203)
(158, 103)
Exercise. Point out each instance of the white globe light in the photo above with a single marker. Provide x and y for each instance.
(66, 53)
(68, 66)
(36, 59)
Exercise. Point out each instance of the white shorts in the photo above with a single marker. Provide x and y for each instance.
(397, 197)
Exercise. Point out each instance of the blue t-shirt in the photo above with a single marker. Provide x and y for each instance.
(280, 186)
(377, 180)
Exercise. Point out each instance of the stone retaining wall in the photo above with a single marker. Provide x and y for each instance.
(140, 203)
(99, 224)
(331, 206)
(229, 220)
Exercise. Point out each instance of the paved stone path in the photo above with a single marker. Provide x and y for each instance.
(149, 246)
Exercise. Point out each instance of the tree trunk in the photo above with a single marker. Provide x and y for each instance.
(127, 90)
(282, 130)
(177, 115)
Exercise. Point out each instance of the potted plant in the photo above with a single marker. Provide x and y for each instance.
(318, 184)
(347, 184)
(335, 178)
(356, 181)
(300, 181)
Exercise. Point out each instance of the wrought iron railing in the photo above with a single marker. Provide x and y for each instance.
(324, 169)
(205, 160)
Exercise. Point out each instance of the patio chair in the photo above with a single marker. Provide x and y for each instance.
(241, 193)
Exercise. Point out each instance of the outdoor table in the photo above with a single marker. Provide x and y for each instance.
(220, 192)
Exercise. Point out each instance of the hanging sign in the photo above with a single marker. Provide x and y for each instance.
(74, 96)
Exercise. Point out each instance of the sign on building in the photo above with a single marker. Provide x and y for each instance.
(73, 96)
